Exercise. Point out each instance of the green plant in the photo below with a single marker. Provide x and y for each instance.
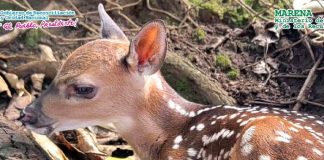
(233, 74)
(199, 35)
(7, 6)
(32, 38)
(231, 12)
(223, 61)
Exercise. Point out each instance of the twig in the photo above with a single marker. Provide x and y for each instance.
(313, 103)
(227, 36)
(293, 44)
(75, 8)
(128, 19)
(277, 104)
(18, 4)
(251, 11)
(266, 64)
(148, 5)
(308, 84)
(91, 29)
(28, 5)
(289, 76)
(191, 45)
(309, 49)
(67, 39)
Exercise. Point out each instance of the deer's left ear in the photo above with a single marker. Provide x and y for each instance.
(148, 49)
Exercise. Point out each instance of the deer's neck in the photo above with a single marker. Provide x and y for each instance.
(161, 115)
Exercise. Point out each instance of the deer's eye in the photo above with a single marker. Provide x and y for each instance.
(85, 91)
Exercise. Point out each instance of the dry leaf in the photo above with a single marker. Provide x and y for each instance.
(16, 105)
(87, 144)
(260, 68)
(265, 33)
(37, 80)
(16, 83)
(60, 139)
(4, 87)
(46, 53)
(50, 149)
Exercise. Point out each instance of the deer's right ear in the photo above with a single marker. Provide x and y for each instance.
(148, 49)
(109, 29)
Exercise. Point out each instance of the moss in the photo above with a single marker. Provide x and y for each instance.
(223, 61)
(199, 35)
(7, 6)
(231, 12)
(182, 85)
(233, 74)
(32, 38)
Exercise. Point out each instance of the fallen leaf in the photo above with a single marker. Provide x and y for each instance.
(37, 80)
(51, 150)
(4, 87)
(265, 33)
(272, 63)
(87, 144)
(260, 68)
(46, 53)
(15, 106)
(15, 83)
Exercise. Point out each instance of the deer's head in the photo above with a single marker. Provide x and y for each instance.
(101, 80)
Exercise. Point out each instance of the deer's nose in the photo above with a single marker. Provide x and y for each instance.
(28, 116)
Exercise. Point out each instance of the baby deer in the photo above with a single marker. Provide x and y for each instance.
(116, 80)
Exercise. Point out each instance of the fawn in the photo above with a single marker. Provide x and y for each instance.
(116, 80)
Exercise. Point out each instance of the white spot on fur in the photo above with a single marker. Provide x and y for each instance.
(283, 137)
(226, 155)
(247, 136)
(207, 140)
(213, 122)
(317, 151)
(191, 152)
(222, 117)
(246, 147)
(293, 129)
(179, 109)
(176, 146)
(308, 141)
(192, 128)
(264, 157)
(319, 122)
(192, 114)
(177, 141)
(200, 127)
(244, 123)
(301, 158)
(243, 115)
(234, 115)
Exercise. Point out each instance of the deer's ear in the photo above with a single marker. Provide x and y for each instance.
(109, 29)
(148, 49)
